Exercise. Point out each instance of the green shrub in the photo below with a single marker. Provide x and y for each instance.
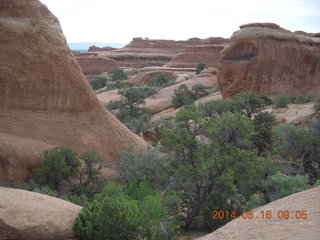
(200, 67)
(182, 96)
(109, 218)
(199, 91)
(279, 185)
(117, 84)
(73, 178)
(162, 81)
(248, 103)
(145, 165)
(115, 215)
(317, 105)
(112, 105)
(98, 82)
(59, 165)
(117, 74)
(301, 99)
(282, 101)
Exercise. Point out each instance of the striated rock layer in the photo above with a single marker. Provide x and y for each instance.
(94, 65)
(44, 98)
(28, 215)
(152, 52)
(293, 228)
(269, 60)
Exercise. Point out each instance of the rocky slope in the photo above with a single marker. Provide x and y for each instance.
(269, 60)
(28, 215)
(274, 228)
(44, 98)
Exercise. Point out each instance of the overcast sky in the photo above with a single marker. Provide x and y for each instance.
(121, 20)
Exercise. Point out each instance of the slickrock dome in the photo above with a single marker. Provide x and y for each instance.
(44, 98)
(270, 60)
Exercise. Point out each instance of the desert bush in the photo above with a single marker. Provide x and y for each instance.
(317, 105)
(146, 165)
(182, 96)
(71, 176)
(282, 101)
(200, 67)
(117, 74)
(249, 103)
(59, 165)
(279, 185)
(98, 82)
(301, 99)
(199, 91)
(162, 81)
(116, 215)
(112, 105)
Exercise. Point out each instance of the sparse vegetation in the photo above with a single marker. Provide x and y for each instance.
(98, 82)
(162, 81)
(117, 74)
(302, 99)
(200, 67)
(73, 178)
(282, 101)
(183, 96)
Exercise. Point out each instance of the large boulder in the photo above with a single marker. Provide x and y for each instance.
(44, 98)
(293, 228)
(269, 60)
(28, 215)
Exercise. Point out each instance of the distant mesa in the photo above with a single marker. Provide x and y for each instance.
(45, 100)
(145, 52)
(270, 60)
(94, 48)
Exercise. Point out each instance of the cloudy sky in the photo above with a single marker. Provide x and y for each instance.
(120, 20)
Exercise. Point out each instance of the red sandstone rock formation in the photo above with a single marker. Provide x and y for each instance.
(44, 98)
(269, 60)
(99, 49)
(205, 51)
(95, 65)
(28, 215)
(149, 52)
(146, 77)
(191, 56)
(275, 228)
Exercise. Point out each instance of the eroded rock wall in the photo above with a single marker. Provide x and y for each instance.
(269, 60)
(45, 100)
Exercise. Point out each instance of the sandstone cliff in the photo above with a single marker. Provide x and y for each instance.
(205, 51)
(95, 65)
(28, 215)
(292, 228)
(151, 52)
(44, 98)
(269, 60)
